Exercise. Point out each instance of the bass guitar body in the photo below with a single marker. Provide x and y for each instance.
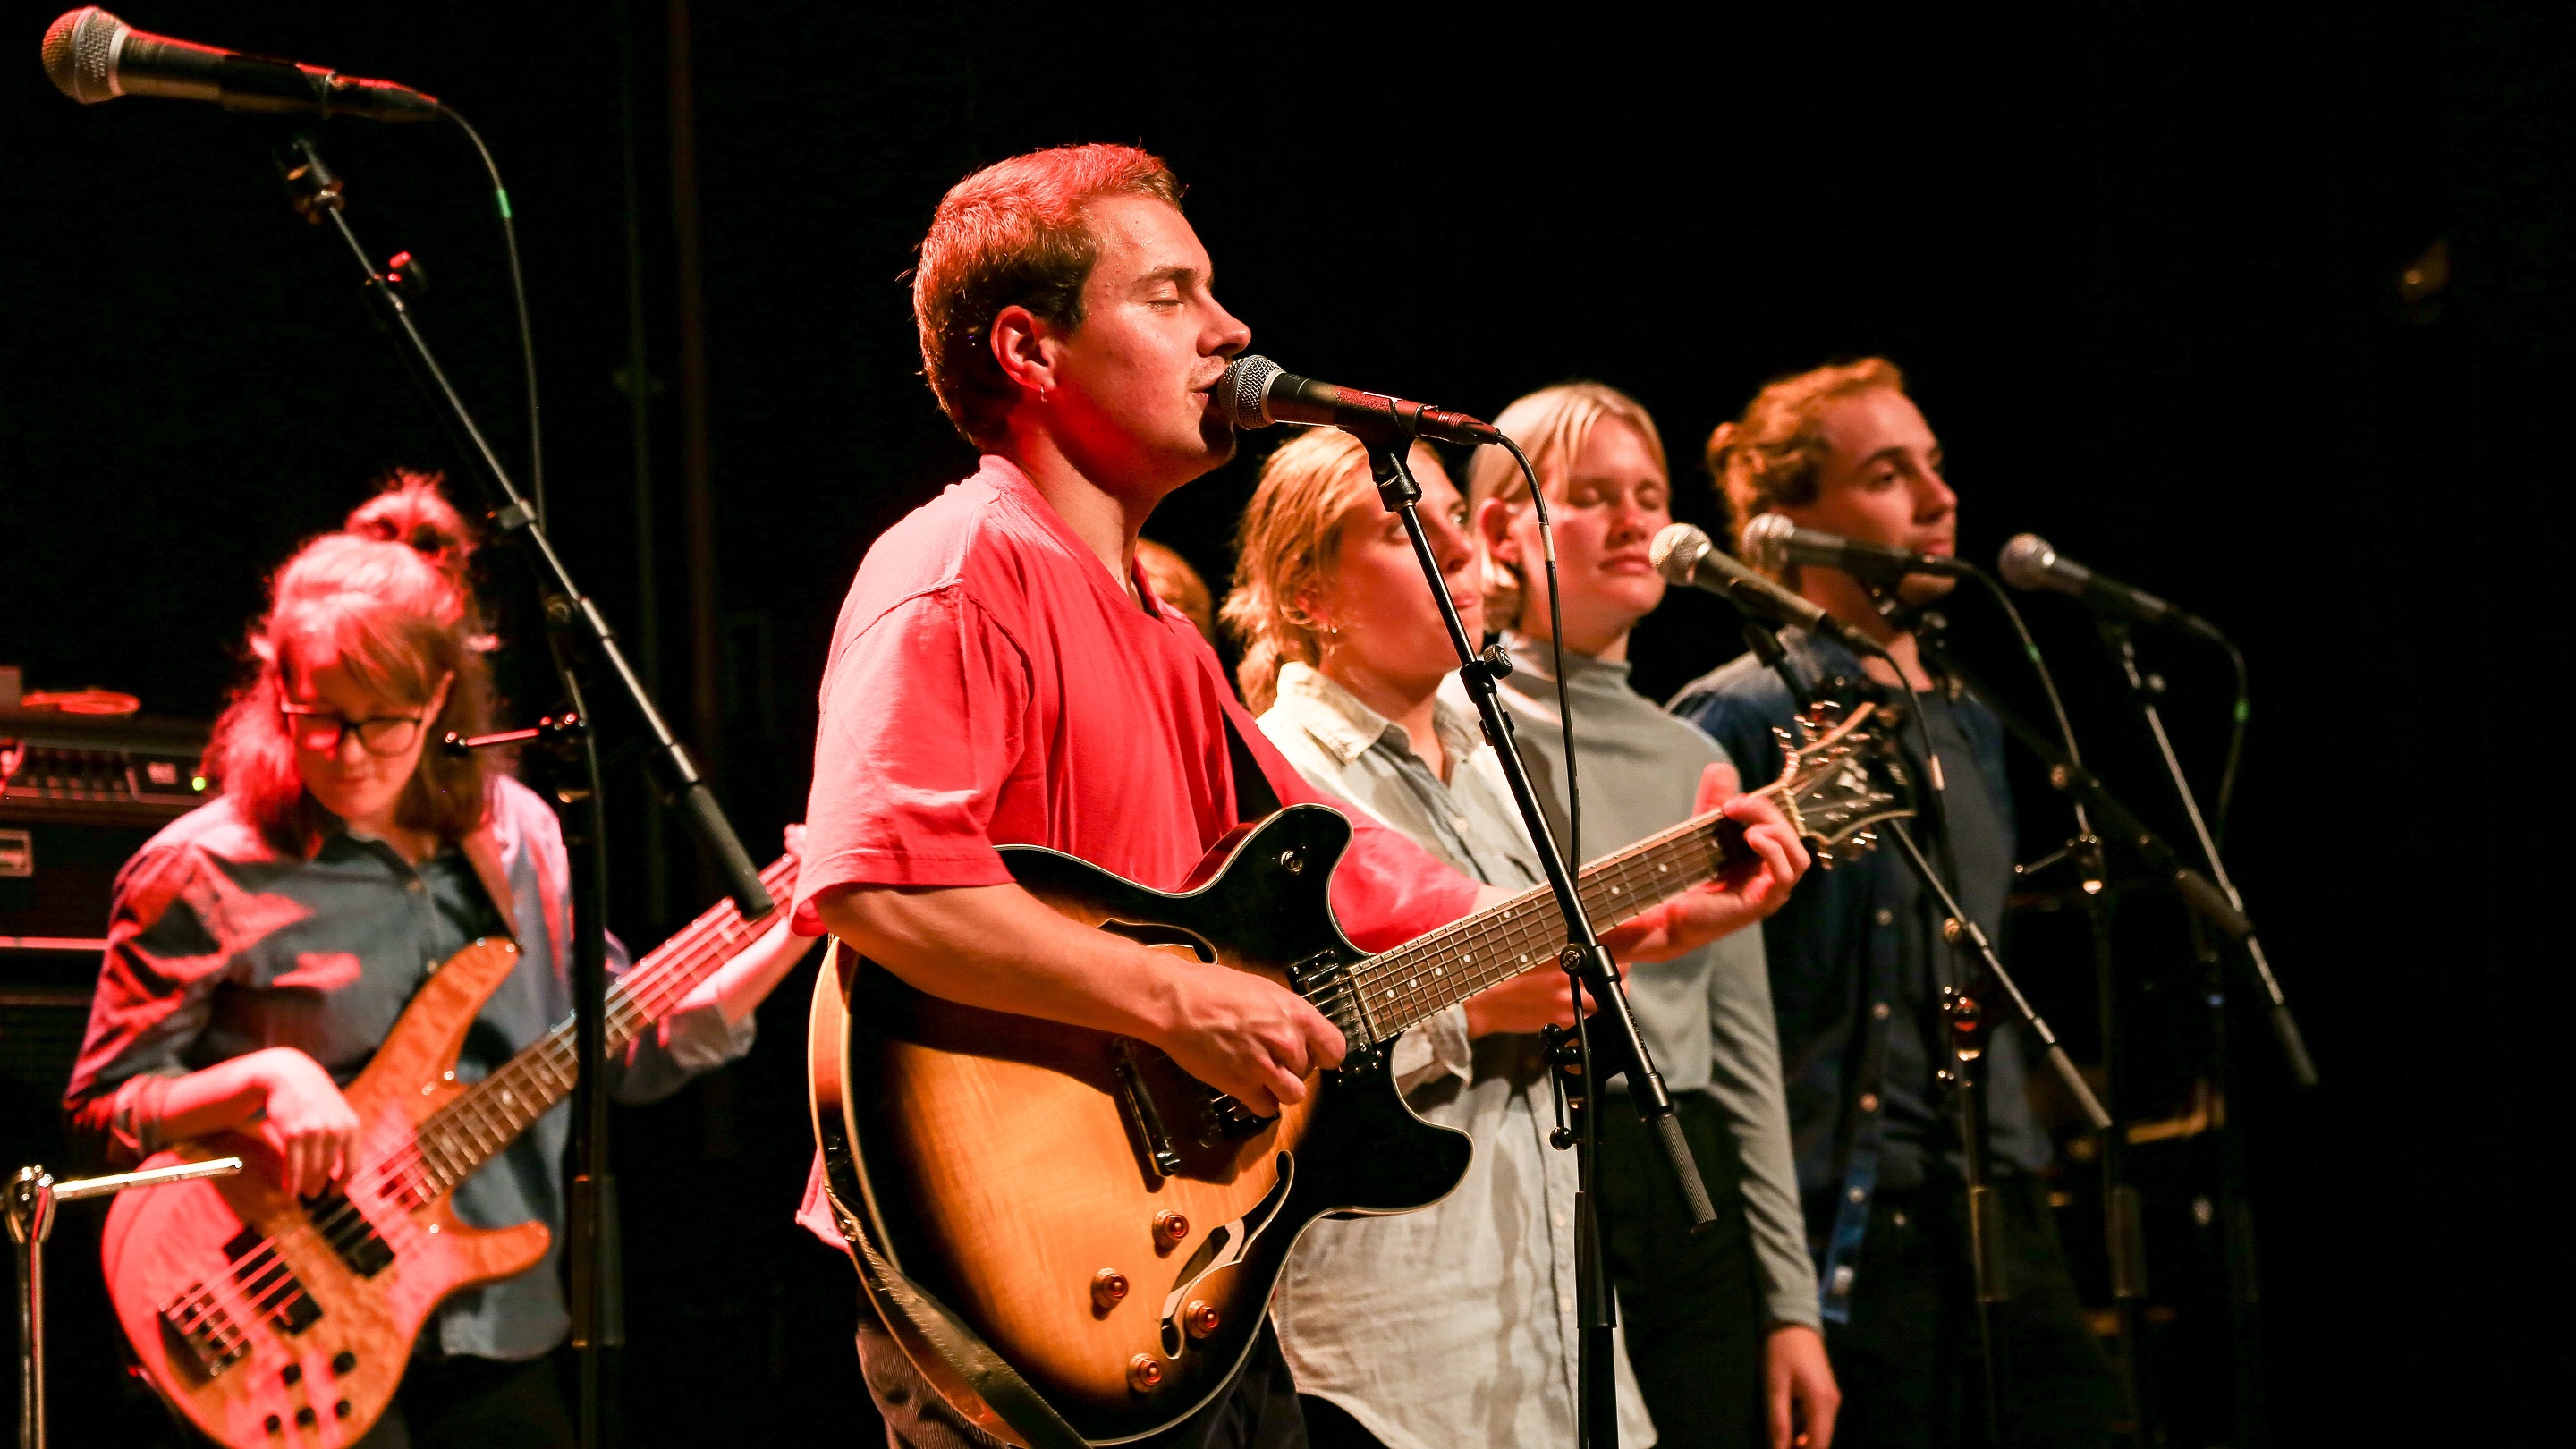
(1072, 1239)
(272, 1320)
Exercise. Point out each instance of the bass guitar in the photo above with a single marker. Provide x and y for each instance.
(1073, 1240)
(272, 1320)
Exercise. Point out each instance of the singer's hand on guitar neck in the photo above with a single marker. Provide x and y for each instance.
(1001, 948)
(1745, 895)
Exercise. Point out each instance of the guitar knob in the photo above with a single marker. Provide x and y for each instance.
(305, 1416)
(343, 1408)
(1144, 1373)
(291, 1375)
(1108, 1286)
(1170, 1228)
(273, 1424)
(343, 1361)
(1200, 1318)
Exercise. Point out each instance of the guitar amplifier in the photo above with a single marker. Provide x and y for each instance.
(81, 795)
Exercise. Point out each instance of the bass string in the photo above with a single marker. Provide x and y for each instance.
(662, 973)
(637, 998)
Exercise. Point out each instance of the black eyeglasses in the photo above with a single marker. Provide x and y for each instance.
(321, 731)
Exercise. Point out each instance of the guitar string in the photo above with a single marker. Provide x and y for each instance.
(1606, 888)
(663, 976)
(399, 1231)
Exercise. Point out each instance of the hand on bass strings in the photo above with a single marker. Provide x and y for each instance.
(280, 1095)
(1745, 894)
(306, 1122)
(1538, 997)
(1800, 1388)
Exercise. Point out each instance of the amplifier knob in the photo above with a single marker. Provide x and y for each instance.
(1144, 1373)
(1200, 1318)
(1170, 1228)
(1108, 1286)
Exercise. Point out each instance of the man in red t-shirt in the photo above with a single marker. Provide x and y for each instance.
(1001, 675)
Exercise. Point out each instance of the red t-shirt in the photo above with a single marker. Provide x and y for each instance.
(990, 684)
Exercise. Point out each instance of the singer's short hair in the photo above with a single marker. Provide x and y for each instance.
(1774, 455)
(1553, 425)
(1014, 235)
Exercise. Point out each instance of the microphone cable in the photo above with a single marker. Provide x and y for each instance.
(519, 301)
(1556, 652)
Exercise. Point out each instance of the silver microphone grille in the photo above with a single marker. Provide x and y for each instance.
(80, 54)
(1677, 550)
(1766, 542)
(2026, 561)
(1243, 394)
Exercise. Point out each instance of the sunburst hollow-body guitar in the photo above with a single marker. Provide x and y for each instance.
(1074, 1241)
(278, 1322)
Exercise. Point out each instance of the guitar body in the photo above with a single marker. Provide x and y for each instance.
(266, 1328)
(1074, 1241)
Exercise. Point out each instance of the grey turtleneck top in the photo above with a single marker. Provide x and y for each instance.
(1706, 1016)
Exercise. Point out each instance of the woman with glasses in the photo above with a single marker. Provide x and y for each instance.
(261, 947)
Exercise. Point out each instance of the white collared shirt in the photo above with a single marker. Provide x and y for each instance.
(1453, 1325)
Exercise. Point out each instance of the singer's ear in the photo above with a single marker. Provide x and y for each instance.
(1493, 524)
(1027, 350)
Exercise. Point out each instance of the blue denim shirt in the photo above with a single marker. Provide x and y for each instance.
(1853, 974)
(219, 946)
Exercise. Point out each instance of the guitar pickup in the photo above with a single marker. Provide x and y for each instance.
(349, 1233)
(1152, 1141)
(270, 1284)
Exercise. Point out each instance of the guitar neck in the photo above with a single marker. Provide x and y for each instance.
(469, 1131)
(1437, 971)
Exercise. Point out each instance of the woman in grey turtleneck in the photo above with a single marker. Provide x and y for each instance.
(1722, 1327)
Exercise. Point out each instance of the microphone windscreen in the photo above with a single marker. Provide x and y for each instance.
(1243, 393)
(1677, 550)
(2026, 561)
(1766, 542)
(80, 54)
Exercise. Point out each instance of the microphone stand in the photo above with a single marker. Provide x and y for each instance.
(27, 1201)
(1586, 963)
(570, 615)
(2236, 1209)
(2285, 1027)
(1965, 1074)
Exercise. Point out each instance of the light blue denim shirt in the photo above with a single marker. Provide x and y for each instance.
(219, 946)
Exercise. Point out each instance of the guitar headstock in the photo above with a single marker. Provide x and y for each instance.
(1842, 776)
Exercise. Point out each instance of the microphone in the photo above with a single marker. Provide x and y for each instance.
(1683, 554)
(1772, 543)
(91, 56)
(1257, 393)
(2030, 564)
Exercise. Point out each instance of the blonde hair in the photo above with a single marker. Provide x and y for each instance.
(1774, 455)
(1553, 425)
(1284, 552)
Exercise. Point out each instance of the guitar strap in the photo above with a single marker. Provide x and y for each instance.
(1253, 797)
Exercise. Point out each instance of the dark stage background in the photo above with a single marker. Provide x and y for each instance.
(2144, 264)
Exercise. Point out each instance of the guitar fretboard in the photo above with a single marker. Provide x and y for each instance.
(1436, 971)
(466, 1133)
